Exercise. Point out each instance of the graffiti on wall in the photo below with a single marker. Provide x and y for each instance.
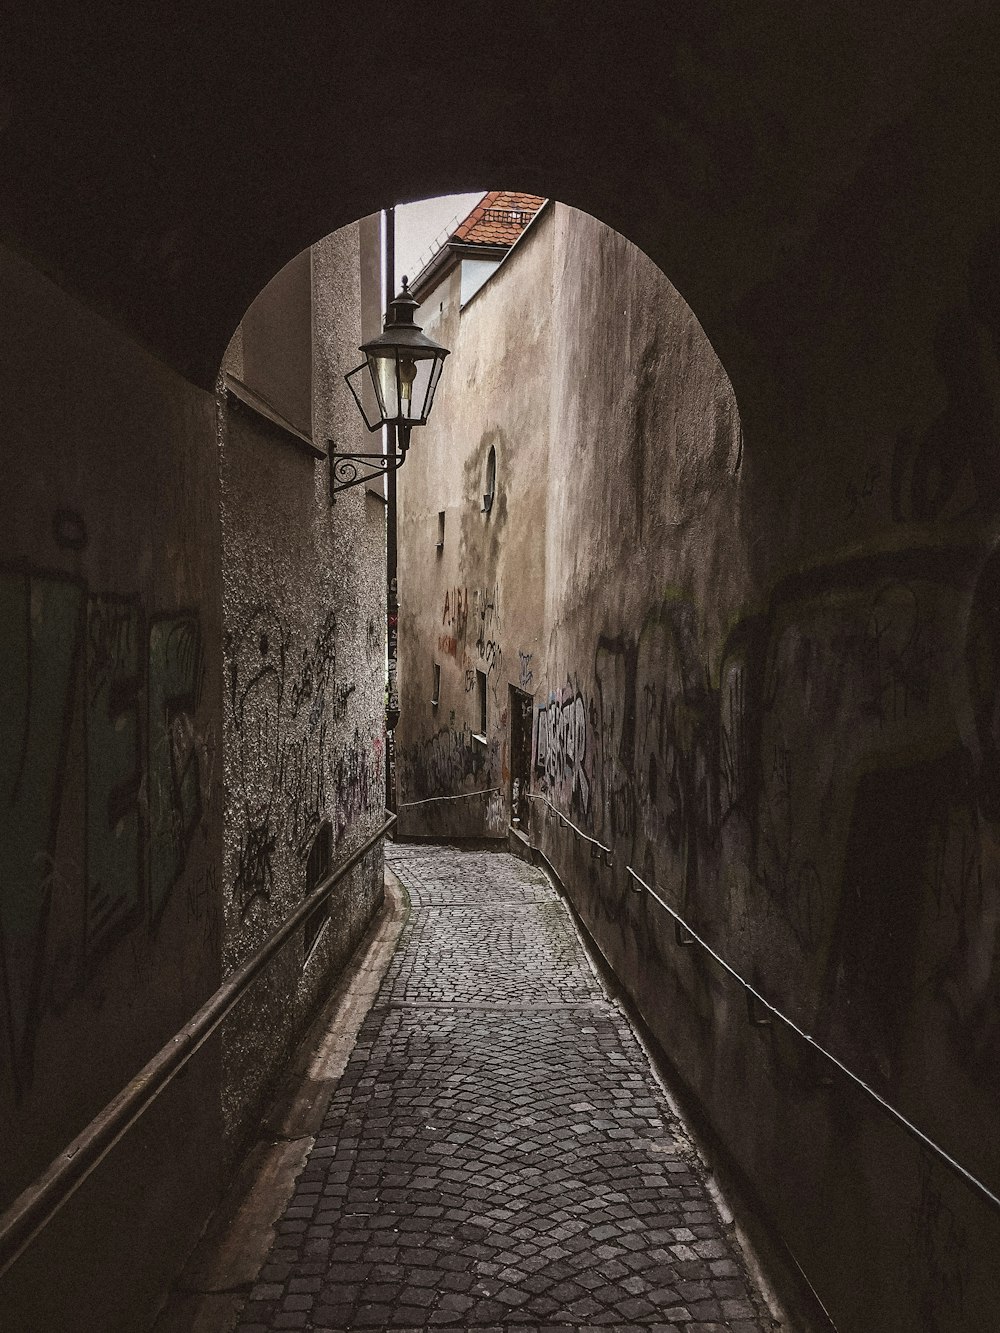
(486, 616)
(357, 781)
(451, 761)
(702, 781)
(526, 671)
(940, 1260)
(560, 747)
(392, 652)
(291, 767)
(495, 815)
(477, 612)
(492, 656)
(455, 615)
(113, 765)
(101, 750)
(175, 784)
(444, 762)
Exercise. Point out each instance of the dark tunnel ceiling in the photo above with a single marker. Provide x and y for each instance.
(163, 162)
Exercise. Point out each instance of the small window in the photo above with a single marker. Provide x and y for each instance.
(440, 541)
(481, 699)
(490, 483)
(317, 870)
(436, 696)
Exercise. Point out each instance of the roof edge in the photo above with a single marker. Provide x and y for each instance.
(545, 208)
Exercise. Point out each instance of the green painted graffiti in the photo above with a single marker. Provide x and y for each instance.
(75, 671)
(42, 621)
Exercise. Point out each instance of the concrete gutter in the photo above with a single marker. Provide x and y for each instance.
(211, 1290)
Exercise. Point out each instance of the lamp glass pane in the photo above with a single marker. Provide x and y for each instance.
(359, 381)
(431, 386)
(383, 368)
(420, 372)
(404, 381)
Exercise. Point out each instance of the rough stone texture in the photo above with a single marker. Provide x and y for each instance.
(504, 1161)
(304, 622)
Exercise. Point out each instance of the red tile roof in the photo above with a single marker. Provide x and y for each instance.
(498, 218)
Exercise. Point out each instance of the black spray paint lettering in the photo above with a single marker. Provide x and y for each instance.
(561, 746)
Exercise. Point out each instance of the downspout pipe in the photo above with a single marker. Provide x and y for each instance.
(391, 546)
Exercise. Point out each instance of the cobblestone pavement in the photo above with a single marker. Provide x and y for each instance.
(498, 1154)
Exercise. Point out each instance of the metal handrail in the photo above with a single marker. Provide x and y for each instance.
(462, 796)
(955, 1167)
(33, 1209)
(568, 823)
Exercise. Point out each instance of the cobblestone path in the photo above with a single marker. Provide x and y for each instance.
(498, 1154)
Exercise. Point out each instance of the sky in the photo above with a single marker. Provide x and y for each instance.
(419, 224)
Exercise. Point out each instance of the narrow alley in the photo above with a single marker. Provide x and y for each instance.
(499, 1151)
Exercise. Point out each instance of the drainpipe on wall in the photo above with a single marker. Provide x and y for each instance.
(392, 602)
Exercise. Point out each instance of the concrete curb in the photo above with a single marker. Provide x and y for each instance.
(211, 1290)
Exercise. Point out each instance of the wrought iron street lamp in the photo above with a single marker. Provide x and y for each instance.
(393, 386)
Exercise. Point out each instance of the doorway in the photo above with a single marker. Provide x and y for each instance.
(520, 713)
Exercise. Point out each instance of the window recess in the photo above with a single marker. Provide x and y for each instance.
(481, 705)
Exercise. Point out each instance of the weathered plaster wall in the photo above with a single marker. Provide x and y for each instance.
(304, 644)
(477, 603)
(768, 683)
(276, 346)
(110, 795)
(787, 689)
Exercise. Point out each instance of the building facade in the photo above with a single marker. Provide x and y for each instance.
(472, 530)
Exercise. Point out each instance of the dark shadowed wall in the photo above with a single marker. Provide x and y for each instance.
(789, 682)
(110, 795)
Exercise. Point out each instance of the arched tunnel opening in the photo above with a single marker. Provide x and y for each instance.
(754, 742)
(611, 696)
